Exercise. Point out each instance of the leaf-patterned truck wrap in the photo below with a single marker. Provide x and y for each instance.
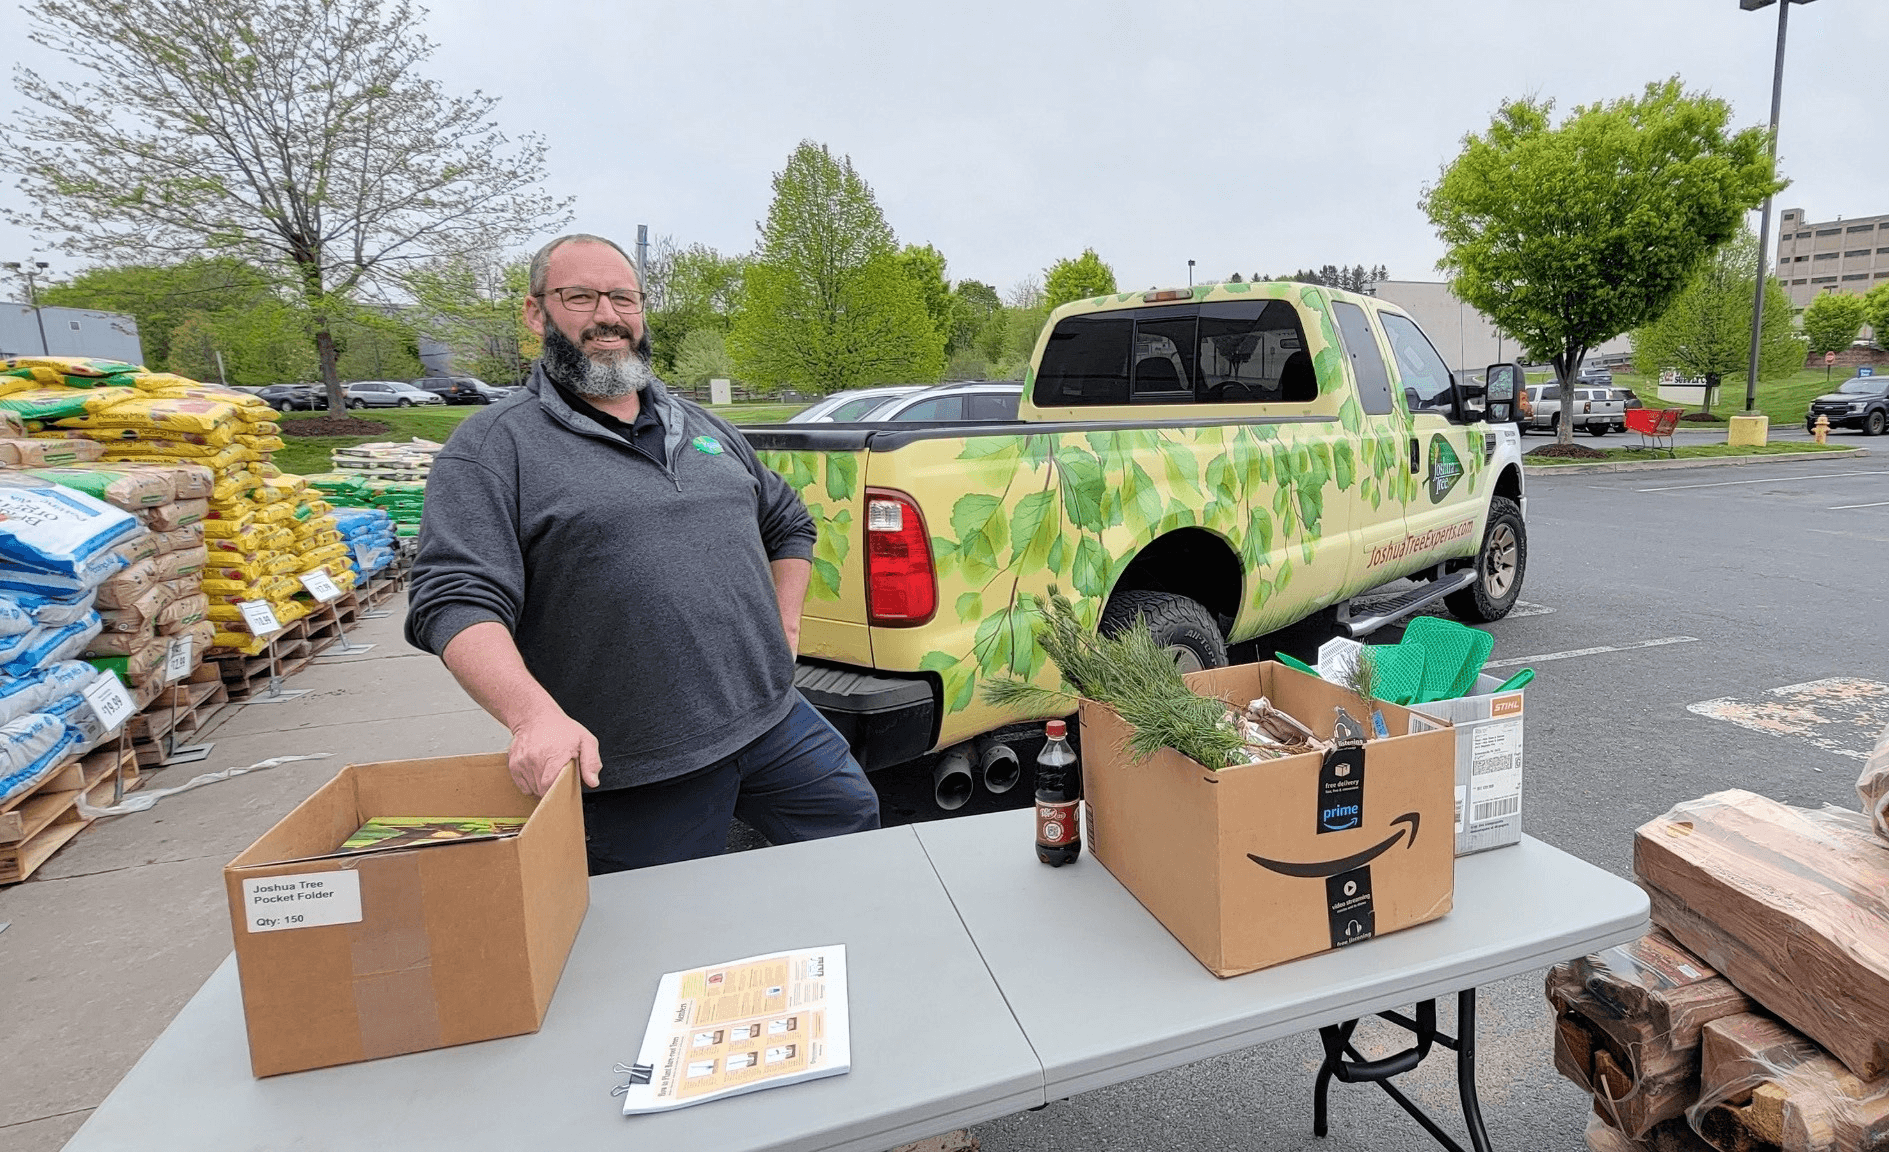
(1313, 501)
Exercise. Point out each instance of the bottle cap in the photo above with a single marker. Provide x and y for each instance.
(1056, 730)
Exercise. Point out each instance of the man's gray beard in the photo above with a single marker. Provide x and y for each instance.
(588, 376)
(608, 379)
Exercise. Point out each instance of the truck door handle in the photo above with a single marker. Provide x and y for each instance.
(1416, 458)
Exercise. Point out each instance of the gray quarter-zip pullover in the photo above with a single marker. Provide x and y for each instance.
(638, 594)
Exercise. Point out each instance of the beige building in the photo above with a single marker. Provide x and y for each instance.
(1465, 338)
(1835, 256)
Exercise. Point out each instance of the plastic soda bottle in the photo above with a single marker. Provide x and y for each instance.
(1058, 783)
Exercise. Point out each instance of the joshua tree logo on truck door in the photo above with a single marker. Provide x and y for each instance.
(1445, 468)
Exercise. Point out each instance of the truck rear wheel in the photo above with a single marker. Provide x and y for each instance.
(1181, 626)
(1500, 566)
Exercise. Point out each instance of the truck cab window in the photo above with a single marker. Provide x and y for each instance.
(1247, 354)
(1426, 378)
(1085, 362)
(1367, 363)
(1164, 360)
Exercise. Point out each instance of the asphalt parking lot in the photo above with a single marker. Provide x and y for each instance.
(1763, 587)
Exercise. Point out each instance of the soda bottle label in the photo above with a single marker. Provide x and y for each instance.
(1056, 824)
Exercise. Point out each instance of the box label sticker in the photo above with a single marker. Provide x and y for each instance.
(1348, 904)
(1495, 772)
(1341, 790)
(310, 900)
(1462, 796)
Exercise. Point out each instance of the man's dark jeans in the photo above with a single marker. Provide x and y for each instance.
(799, 781)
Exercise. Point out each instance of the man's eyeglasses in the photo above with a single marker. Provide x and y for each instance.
(624, 300)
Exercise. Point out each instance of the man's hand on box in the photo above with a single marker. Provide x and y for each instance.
(543, 744)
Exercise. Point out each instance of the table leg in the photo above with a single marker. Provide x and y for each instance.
(1345, 1063)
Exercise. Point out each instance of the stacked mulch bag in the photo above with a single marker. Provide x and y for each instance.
(58, 547)
(370, 536)
(1757, 1015)
(262, 529)
(404, 501)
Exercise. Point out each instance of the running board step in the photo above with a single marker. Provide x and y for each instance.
(1385, 612)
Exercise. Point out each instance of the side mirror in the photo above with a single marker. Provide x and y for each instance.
(1502, 385)
(1470, 399)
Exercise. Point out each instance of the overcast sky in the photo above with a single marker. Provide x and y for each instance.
(1259, 136)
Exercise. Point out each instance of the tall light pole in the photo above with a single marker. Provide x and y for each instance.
(1764, 221)
(1190, 273)
(29, 269)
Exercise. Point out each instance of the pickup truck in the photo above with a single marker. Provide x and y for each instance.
(1225, 460)
(1598, 408)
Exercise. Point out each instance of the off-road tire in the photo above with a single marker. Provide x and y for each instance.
(1875, 422)
(1501, 563)
(1177, 622)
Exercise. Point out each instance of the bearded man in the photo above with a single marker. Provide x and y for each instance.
(610, 572)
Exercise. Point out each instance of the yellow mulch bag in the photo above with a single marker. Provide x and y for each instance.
(229, 519)
(141, 410)
(220, 588)
(45, 403)
(319, 539)
(274, 539)
(268, 494)
(281, 512)
(159, 381)
(20, 379)
(231, 486)
(265, 470)
(241, 643)
(282, 563)
(223, 461)
(261, 443)
(327, 554)
(84, 366)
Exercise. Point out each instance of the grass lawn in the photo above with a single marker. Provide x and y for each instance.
(1685, 451)
(1784, 401)
(307, 454)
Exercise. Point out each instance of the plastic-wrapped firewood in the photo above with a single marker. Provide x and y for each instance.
(1790, 905)
(1666, 1136)
(1627, 1024)
(1765, 1086)
(1872, 787)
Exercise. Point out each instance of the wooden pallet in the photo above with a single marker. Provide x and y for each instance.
(38, 822)
(185, 707)
(287, 653)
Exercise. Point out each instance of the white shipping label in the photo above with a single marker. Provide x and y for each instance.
(109, 701)
(1495, 772)
(260, 617)
(321, 586)
(310, 900)
(177, 658)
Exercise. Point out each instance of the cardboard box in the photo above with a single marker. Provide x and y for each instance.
(1263, 863)
(354, 957)
(1488, 764)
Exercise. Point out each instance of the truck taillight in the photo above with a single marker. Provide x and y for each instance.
(901, 588)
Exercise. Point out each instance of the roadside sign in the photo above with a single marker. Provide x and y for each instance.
(1829, 357)
(1866, 370)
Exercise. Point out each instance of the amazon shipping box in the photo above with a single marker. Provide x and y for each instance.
(353, 956)
(1259, 864)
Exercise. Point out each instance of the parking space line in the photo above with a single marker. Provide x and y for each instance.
(1572, 653)
(1846, 507)
(1766, 480)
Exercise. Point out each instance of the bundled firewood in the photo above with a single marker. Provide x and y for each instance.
(1666, 1136)
(1872, 787)
(1627, 1026)
(1765, 1087)
(1790, 905)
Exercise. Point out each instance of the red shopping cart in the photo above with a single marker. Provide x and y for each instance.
(1655, 426)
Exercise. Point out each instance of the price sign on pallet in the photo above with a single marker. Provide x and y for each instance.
(109, 701)
(177, 659)
(260, 617)
(321, 586)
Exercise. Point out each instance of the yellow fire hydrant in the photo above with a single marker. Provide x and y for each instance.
(1822, 430)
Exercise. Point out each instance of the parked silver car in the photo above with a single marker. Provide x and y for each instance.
(977, 402)
(388, 394)
(851, 404)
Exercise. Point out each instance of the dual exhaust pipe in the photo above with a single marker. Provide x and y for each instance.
(958, 771)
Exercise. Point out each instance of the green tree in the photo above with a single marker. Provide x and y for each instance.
(1832, 321)
(689, 289)
(1876, 312)
(1077, 279)
(161, 296)
(826, 303)
(381, 343)
(702, 357)
(973, 303)
(475, 305)
(1706, 331)
(266, 343)
(1568, 235)
(926, 267)
(301, 138)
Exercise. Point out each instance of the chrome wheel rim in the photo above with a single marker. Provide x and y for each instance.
(1499, 561)
(1185, 658)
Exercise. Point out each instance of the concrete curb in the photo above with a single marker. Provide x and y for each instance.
(1692, 462)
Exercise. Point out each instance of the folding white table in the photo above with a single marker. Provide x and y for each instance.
(981, 983)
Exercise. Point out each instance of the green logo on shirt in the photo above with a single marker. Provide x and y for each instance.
(707, 444)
